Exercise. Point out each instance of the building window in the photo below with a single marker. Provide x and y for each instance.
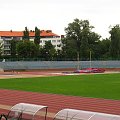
(6, 42)
(53, 40)
(6, 52)
(7, 37)
(32, 37)
(58, 40)
(40, 41)
(16, 38)
(6, 47)
(59, 45)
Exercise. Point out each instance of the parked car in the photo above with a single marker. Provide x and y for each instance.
(90, 70)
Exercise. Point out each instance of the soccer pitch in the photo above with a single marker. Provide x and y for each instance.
(95, 85)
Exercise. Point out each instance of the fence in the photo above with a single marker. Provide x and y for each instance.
(27, 65)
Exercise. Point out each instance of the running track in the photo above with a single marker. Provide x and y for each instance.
(58, 102)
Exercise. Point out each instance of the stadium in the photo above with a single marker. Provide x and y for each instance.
(71, 75)
(59, 95)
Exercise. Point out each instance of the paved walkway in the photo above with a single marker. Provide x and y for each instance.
(8, 98)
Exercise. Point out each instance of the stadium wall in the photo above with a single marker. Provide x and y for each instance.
(38, 65)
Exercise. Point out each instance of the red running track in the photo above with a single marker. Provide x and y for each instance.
(57, 102)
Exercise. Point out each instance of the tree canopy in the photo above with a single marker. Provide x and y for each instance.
(48, 51)
(80, 37)
(115, 41)
(26, 49)
(26, 34)
(80, 40)
(37, 36)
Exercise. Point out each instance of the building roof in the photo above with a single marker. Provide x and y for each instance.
(31, 33)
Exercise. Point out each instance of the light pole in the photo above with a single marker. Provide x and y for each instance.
(90, 59)
(78, 60)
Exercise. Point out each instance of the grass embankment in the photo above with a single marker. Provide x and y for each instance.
(97, 86)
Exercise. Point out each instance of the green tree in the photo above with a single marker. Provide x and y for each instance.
(105, 48)
(37, 36)
(1, 48)
(26, 34)
(93, 41)
(115, 41)
(48, 51)
(77, 34)
(68, 49)
(101, 49)
(27, 49)
(13, 48)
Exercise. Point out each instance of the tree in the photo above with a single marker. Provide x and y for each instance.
(101, 49)
(105, 48)
(26, 34)
(93, 41)
(1, 48)
(37, 36)
(27, 49)
(115, 41)
(48, 51)
(68, 49)
(13, 48)
(77, 34)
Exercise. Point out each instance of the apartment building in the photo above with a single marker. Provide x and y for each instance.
(46, 35)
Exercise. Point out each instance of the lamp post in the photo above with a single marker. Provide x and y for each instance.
(78, 60)
(90, 59)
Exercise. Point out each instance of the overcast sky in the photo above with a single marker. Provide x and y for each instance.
(56, 14)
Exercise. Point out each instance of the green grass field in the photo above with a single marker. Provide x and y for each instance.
(97, 86)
